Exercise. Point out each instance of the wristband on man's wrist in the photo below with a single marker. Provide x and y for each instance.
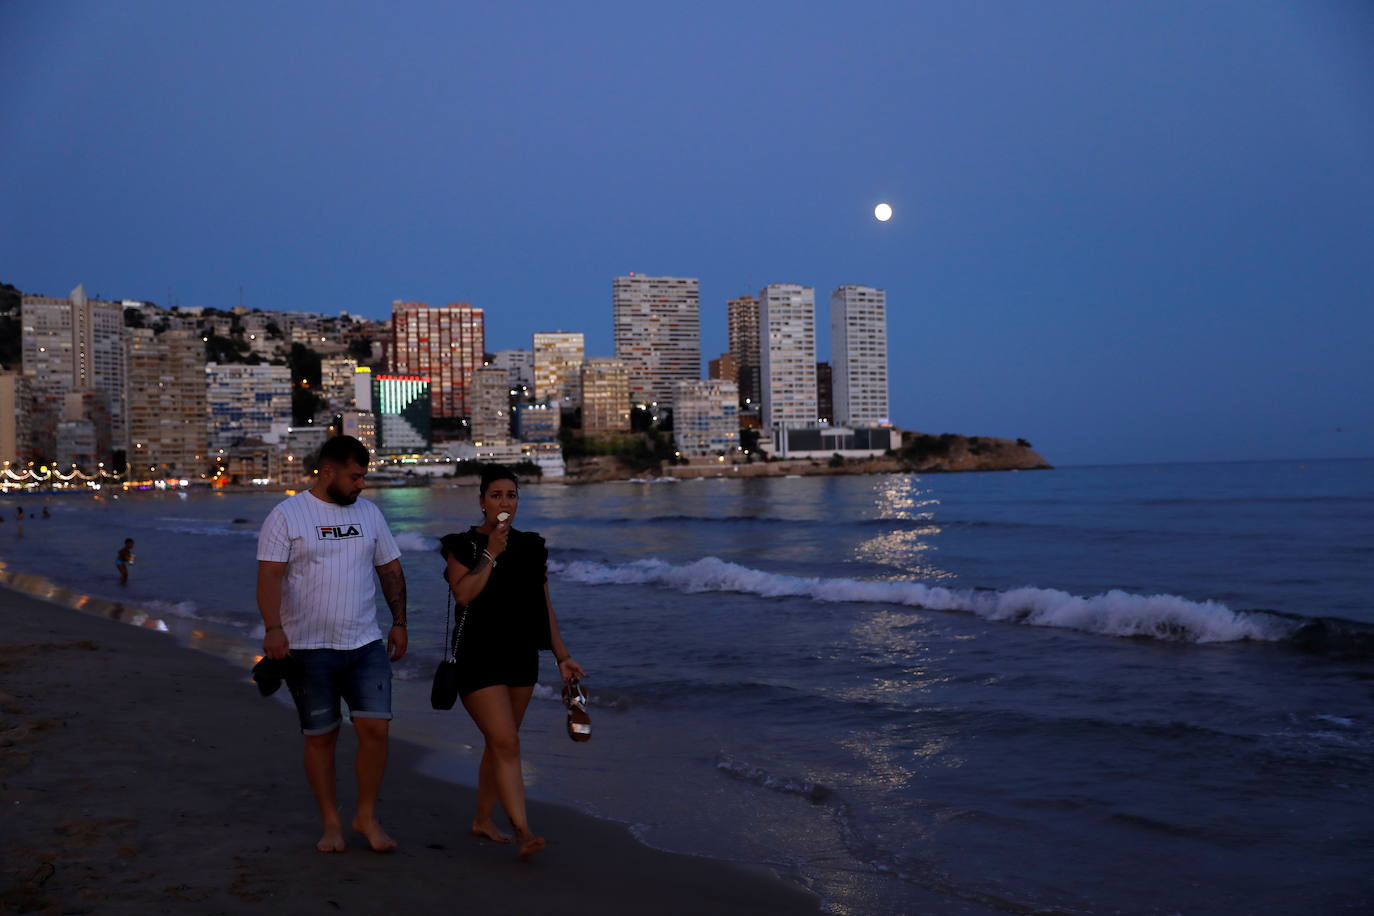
(399, 623)
(271, 628)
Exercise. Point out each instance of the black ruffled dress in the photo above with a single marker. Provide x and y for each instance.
(508, 622)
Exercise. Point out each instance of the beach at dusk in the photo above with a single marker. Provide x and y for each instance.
(139, 777)
(980, 693)
(864, 459)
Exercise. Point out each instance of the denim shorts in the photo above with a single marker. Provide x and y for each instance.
(361, 677)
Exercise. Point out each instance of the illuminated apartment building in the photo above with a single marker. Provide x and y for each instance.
(743, 317)
(401, 403)
(787, 349)
(605, 397)
(491, 404)
(167, 402)
(657, 334)
(723, 367)
(245, 401)
(76, 446)
(858, 346)
(336, 380)
(706, 418)
(537, 422)
(15, 418)
(75, 345)
(444, 344)
(361, 425)
(520, 365)
(558, 359)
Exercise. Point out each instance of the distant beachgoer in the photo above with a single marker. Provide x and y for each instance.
(124, 559)
(45, 512)
(500, 575)
(317, 553)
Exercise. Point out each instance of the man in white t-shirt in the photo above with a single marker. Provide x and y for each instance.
(317, 553)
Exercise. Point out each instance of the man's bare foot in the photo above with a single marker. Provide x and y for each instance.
(487, 831)
(332, 840)
(376, 836)
(529, 844)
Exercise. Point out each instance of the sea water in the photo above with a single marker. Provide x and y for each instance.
(1139, 689)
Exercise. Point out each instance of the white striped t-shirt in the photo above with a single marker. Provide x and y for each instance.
(329, 593)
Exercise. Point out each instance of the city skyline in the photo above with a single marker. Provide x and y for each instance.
(237, 374)
(1130, 233)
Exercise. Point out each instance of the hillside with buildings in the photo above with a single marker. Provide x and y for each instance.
(175, 395)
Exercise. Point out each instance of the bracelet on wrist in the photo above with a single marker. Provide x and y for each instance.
(399, 623)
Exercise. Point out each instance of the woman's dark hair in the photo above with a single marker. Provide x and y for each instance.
(494, 472)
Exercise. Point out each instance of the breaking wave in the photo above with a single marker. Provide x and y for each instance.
(1113, 613)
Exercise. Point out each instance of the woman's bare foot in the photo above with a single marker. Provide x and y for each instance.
(487, 831)
(529, 844)
(332, 840)
(376, 836)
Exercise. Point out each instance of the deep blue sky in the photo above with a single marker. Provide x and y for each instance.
(1124, 231)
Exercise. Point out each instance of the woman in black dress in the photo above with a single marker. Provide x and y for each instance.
(500, 575)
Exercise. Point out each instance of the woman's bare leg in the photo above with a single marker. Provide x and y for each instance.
(482, 823)
(498, 712)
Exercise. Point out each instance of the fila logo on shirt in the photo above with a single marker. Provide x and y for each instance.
(338, 532)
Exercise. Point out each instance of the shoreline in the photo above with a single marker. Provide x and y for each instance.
(141, 775)
(779, 468)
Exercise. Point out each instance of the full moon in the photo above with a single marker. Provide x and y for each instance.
(883, 212)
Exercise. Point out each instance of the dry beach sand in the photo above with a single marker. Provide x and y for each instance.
(138, 777)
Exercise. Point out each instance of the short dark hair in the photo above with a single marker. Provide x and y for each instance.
(342, 449)
(494, 472)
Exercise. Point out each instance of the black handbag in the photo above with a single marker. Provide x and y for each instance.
(444, 693)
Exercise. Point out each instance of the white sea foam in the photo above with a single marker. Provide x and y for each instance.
(554, 692)
(411, 668)
(414, 542)
(212, 528)
(1113, 613)
(1342, 721)
(174, 608)
(191, 611)
(789, 785)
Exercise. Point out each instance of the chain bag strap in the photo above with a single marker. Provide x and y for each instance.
(458, 633)
(444, 693)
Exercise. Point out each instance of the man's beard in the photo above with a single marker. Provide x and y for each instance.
(340, 497)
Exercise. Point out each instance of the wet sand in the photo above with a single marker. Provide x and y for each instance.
(137, 777)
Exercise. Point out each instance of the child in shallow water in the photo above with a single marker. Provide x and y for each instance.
(123, 559)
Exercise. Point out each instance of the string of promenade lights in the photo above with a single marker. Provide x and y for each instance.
(30, 477)
(27, 478)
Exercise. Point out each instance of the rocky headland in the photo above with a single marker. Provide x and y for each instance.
(952, 452)
(920, 453)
